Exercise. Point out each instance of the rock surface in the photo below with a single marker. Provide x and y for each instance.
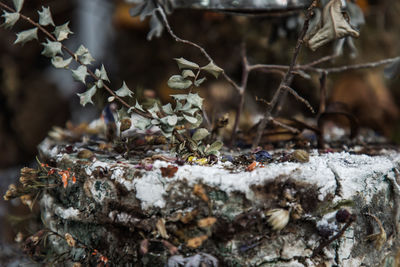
(326, 212)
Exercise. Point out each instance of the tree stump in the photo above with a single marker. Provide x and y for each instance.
(337, 209)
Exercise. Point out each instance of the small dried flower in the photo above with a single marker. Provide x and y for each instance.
(28, 175)
(11, 193)
(70, 240)
(27, 200)
(196, 241)
(278, 218)
(297, 211)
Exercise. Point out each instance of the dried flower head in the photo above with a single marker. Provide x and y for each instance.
(28, 175)
(278, 218)
(27, 200)
(70, 240)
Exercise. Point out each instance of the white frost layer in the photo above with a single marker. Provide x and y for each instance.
(356, 173)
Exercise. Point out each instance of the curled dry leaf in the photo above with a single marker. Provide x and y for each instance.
(161, 228)
(168, 171)
(196, 242)
(333, 26)
(199, 191)
(206, 222)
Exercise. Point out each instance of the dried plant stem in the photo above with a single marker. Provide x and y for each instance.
(242, 92)
(374, 64)
(287, 79)
(335, 237)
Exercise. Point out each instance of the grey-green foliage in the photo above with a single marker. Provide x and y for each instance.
(186, 113)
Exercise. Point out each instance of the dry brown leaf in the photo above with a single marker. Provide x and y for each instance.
(196, 242)
(334, 26)
(206, 222)
(199, 191)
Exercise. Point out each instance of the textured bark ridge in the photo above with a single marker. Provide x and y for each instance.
(338, 209)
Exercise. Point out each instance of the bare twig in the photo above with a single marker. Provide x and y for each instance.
(368, 65)
(333, 238)
(299, 98)
(242, 91)
(287, 79)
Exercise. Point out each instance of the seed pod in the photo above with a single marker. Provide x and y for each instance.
(301, 156)
(278, 218)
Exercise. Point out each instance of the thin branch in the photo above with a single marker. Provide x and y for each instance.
(368, 65)
(202, 50)
(335, 237)
(287, 79)
(242, 91)
(285, 126)
(299, 98)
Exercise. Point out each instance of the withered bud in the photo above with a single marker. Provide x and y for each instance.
(28, 175)
(27, 200)
(297, 211)
(11, 193)
(125, 124)
(70, 240)
(278, 218)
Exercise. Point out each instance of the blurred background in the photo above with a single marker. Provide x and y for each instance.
(34, 96)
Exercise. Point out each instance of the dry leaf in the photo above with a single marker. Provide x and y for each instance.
(199, 191)
(196, 242)
(334, 26)
(161, 228)
(168, 171)
(206, 222)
